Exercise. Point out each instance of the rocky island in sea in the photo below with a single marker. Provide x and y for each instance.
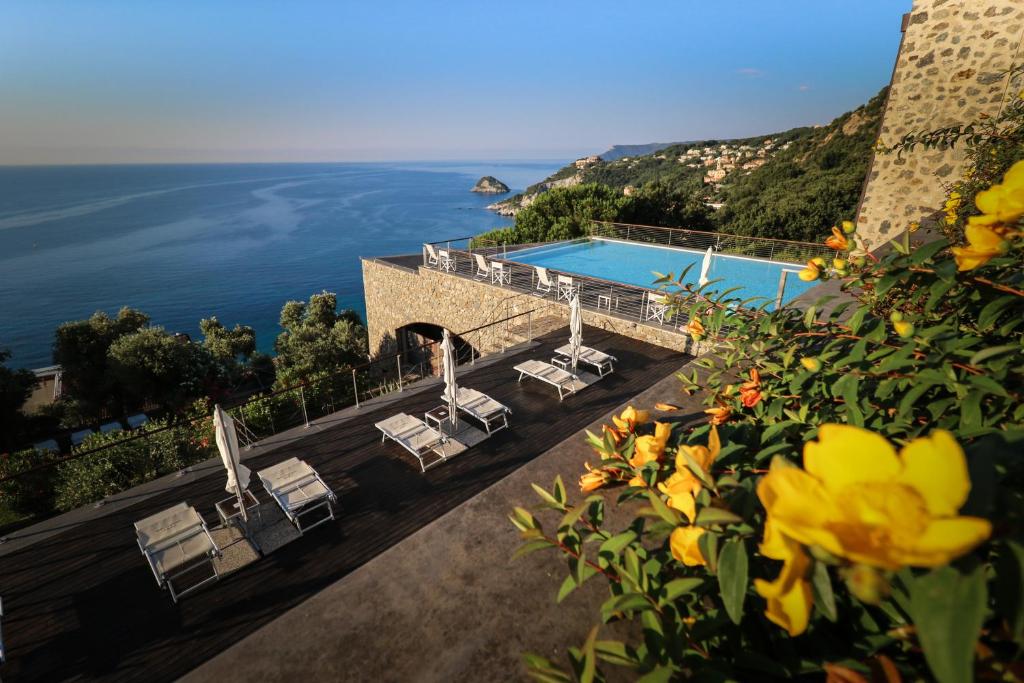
(490, 185)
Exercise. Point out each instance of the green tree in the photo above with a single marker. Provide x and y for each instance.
(152, 366)
(234, 345)
(80, 347)
(15, 388)
(667, 205)
(317, 338)
(566, 212)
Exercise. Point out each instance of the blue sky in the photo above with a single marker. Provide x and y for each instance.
(104, 81)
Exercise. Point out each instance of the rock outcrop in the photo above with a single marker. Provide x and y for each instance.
(490, 185)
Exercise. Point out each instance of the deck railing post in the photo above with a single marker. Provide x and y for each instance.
(399, 360)
(355, 386)
(627, 233)
(305, 415)
(782, 289)
(529, 322)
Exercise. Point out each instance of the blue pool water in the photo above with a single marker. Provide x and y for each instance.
(635, 264)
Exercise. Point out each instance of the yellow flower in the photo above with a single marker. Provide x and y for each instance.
(1005, 201)
(630, 419)
(789, 596)
(810, 273)
(849, 227)
(857, 499)
(651, 447)
(682, 487)
(809, 363)
(904, 328)
(914, 227)
(719, 415)
(983, 244)
(838, 240)
(695, 328)
(594, 479)
(684, 545)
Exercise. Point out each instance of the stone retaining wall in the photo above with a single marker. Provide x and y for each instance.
(396, 297)
(950, 70)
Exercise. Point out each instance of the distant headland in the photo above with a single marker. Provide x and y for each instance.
(490, 185)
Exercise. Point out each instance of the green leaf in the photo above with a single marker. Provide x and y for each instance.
(824, 598)
(925, 252)
(659, 674)
(1010, 588)
(568, 586)
(616, 652)
(992, 352)
(732, 577)
(710, 516)
(589, 658)
(527, 548)
(948, 608)
(663, 511)
(560, 490)
(677, 587)
(548, 499)
(616, 543)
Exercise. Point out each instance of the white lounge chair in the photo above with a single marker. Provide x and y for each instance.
(108, 427)
(137, 420)
(175, 542)
(78, 437)
(431, 254)
(484, 408)
(446, 259)
(544, 286)
(415, 436)
(566, 288)
(657, 307)
(483, 270)
(546, 372)
(298, 490)
(48, 445)
(598, 359)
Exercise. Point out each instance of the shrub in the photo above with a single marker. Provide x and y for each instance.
(31, 493)
(855, 504)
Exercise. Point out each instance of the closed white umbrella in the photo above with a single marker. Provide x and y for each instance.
(705, 268)
(451, 388)
(227, 444)
(575, 330)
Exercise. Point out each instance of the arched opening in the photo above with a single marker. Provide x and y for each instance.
(412, 342)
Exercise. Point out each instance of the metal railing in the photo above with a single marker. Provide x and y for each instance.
(758, 247)
(638, 304)
(163, 448)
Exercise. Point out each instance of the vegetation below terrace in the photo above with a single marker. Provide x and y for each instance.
(810, 179)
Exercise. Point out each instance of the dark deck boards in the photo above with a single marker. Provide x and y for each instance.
(83, 604)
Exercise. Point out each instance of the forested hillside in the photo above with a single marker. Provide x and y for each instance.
(789, 185)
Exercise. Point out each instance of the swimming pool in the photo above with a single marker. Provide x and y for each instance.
(633, 263)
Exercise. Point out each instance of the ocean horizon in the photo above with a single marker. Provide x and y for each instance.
(183, 242)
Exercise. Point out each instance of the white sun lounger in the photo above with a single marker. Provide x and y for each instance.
(483, 408)
(598, 359)
(415, 436)
(431, 254)
(543, 287)
(546, 372)
(298, 490)
(483, 270)
(175, 542)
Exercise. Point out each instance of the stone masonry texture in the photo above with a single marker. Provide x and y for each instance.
(952, 68)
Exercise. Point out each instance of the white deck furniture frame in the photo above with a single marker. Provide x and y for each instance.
(500, 274)
(546, 372)
(600, 360)
(483, 270)
(175, 542)
(566, 288)
(299, 491)
(431, 255)
(484, 408)
(446, 259)
(415, 436)
(544, 285)
(657, 307)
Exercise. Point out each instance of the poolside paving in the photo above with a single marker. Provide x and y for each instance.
(81, 603)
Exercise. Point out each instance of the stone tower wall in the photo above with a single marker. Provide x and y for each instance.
(951, 69)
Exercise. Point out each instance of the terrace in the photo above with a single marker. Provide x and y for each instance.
(80, 602)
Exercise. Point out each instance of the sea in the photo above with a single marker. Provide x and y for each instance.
(235, 241)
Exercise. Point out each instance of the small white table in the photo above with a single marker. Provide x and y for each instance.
(605, 301)
(561, 361)
(439, 416)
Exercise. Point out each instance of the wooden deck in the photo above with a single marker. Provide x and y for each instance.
(83, 604)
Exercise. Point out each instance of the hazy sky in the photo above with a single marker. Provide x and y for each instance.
(99, 80)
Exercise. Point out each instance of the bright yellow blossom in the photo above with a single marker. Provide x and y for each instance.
(719, 414)
(904, 328)
(983, 244)
(695, 328)
(810, 363)
(858, 499)
(1004, 203)
(810, 273)
(682, 487)
(849, 227)
(789, 596)
(650, 447)
(684, 543)
(630, 419)
(594, 479)
(838, 240)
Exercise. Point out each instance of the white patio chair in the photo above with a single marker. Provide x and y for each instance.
(566, 288)
(299, 491)
(176, 542)
(446, 259)
(500, 274)
(431, 255)
(657, 307)
(483, 270)
(544, 286)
